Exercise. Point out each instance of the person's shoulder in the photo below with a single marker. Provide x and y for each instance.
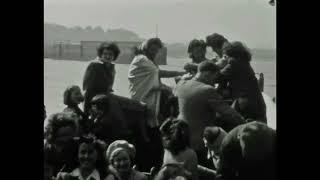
(94, 63)
(110, 177)
(139, 175)
(139, 59)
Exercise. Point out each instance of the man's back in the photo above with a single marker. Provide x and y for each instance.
(194, 107)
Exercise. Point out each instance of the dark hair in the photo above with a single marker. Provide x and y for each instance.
(216, 40)
(109, 46)
(55, 122)
(101, 101)
(141, 49)
(207, 65)
(178, 134)
(211, 133)
(99, 146)
(67, 94)
(238, 51)
(196, 43)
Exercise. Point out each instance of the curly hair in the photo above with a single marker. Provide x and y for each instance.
(67, 94)
(216, 40)
(109, 46)
(238, 51)
(178, 134)
(55, 122)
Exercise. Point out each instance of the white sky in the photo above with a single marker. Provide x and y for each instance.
(251, 21)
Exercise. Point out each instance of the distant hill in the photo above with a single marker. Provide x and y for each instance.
(55, 32)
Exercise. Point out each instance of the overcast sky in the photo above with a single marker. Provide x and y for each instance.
(251, 21)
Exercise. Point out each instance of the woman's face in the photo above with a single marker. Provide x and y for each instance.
(76, 96)
(87, 156)
(152, 51)
(198, 54)
(122, 162)
(64, 136)
(107, 55)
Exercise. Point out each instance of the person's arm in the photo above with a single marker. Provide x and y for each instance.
(191, 67)
(228, 114)
(207, 171)
(170, 74)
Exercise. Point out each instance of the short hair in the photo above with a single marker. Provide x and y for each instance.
(207, 65)
(211, 133)
(196, 43)
(179, 135)
(101, 101)
(125, 145)
(216, 40)
(144, 46)
(67, 94)
(109, 46)
(238, 51)
(55, 122)
(259, 139)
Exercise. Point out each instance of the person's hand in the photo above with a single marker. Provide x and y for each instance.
(187, 76)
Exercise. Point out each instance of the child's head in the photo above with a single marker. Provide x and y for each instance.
(90, 154)
(61, 129)
(121, 155)
(99, 104)
(175, 135)
(213, 137)
(72, 96)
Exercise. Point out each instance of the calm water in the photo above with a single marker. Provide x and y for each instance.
(58, 74)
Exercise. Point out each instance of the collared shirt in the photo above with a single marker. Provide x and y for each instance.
(215, 158)
(93, 176)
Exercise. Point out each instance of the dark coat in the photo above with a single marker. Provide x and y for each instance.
(98, 79)
(234, 166)
(198, 105)
(243, 83)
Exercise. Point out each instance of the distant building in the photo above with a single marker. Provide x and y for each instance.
(87, 50)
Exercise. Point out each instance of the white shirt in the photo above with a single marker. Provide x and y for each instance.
(95, 174)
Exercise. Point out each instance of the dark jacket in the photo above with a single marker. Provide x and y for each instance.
(243, 83)
(198, 104)
(98, 79)
(234, 166)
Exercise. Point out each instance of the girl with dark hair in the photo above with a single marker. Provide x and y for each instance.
(197, 53)
(72, 97)
(100, 73)
(245, 91)
(103, 122)
(59, 146)
(176, 142)
(92, 163)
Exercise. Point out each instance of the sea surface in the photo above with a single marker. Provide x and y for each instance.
(58, 74)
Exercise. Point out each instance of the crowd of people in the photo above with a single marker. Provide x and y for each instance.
(211, 125)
